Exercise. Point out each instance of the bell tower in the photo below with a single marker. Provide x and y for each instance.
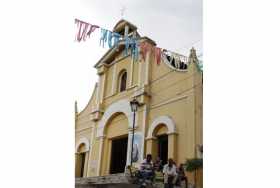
(126, 28)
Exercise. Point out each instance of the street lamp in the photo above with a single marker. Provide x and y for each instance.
(134, 104)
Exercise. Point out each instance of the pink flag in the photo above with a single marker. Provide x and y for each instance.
(157, 54)
(145, 47)
(84, 30)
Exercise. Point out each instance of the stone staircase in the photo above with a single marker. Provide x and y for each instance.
(109, 181)
(122, 180)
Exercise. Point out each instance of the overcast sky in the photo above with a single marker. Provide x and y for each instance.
(173, 24)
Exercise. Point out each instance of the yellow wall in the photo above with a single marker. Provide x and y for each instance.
(177, 95)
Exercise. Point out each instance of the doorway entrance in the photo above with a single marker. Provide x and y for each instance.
(81, 158)
(118, 155)
(163, 148)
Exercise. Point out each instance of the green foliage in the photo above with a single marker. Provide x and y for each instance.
(193, 164)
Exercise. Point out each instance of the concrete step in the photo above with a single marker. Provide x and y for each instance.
(108, 181)
(112, 181)
(116, 185)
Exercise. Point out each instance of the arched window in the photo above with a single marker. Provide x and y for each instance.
(123, 78)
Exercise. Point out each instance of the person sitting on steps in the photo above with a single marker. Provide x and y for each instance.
(146, 171)
(170, 173)
(158, 164)
(181, 176)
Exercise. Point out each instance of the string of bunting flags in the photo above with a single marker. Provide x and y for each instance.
(199, 64)
(112, 39)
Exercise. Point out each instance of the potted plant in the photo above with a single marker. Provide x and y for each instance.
(192, 165)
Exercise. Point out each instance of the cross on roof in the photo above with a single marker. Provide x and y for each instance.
(123, 9)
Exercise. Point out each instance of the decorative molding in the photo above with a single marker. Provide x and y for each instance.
(166, 120)
(104, 77)
(146, 81)
(169, 101)
(144, 121)
(114, 80)
(85, 141)
(116, 93)
(80, 130)
(121, 58)
(90, 153)
(166, 62)
(95, 90)
(121, 106)
(100, 155)
(139, 73)
(131, 72)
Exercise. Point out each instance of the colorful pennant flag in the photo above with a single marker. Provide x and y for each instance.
(112, 38)
(84, 30)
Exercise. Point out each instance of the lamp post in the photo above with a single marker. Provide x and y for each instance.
(134, 107)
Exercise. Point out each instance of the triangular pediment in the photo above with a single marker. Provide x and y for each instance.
(112, 53)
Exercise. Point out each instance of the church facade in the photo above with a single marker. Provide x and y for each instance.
(167, 123)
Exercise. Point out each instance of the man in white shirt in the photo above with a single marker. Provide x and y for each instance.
(170, 173)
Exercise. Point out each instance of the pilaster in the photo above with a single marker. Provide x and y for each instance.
(172, 146)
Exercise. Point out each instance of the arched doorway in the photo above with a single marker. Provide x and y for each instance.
(115, 148)
(161, 139)
(81, 160)
(161, 142)
(121, 107)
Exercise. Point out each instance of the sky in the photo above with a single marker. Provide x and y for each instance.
(173, 24)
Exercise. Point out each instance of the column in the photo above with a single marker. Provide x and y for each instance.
(114, 80)
(86, 164)
(128, 157)
(101, 143)
(108, 157)
(102, 82)
(90, 156)
(147, 70)
(131, 72)
(172, 146)
(152, 147)
(77, 165)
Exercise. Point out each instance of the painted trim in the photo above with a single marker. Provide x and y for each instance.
(98, 90)
(83, 129)
(100, 155)
(128, 157)
(121, 106)
(104, 77)
(91, 98)
(139, 72)
(90, 152)
(146, 82)
(131, 72)
(166, 120)
(169, 101)
(85, 141)
(116, 93)
(114, 80)
(144, 129)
